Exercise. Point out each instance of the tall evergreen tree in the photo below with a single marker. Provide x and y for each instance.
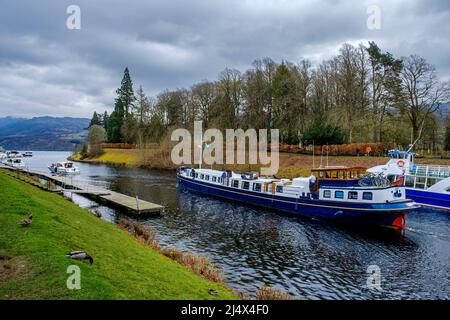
(96, 120)
(105, 120)
(120, 117)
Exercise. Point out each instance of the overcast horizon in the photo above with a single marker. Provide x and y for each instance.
(50, 70)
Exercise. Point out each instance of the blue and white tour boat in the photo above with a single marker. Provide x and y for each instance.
(428, 185)
(337, 194)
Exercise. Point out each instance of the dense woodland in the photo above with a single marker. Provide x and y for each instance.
(361, 95)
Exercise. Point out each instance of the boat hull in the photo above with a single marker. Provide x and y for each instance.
(384, 214)
(429, 199)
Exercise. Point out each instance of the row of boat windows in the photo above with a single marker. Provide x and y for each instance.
(235, 183)
(352, 195)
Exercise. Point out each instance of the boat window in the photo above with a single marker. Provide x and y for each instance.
(202, 176)
(196, 175)
(279, 189)
(246, 185)
(207, 178)
(367, 196)
(219, 180)
(353, 195)
(214, 179)
(339, 194)
(257, 187)
(327, 194)
(236, 183)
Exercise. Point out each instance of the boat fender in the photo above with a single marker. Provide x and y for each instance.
(401, 163)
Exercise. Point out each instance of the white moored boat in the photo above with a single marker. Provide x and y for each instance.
(64, 168)
(2, 154)
(428, 185)
(13, 154)
(14, 162)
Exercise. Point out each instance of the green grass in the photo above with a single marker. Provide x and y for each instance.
(127, 157)
(123, 267)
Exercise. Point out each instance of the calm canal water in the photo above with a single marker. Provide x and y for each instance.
(307, 258)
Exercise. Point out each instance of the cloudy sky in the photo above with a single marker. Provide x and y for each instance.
(47, 69)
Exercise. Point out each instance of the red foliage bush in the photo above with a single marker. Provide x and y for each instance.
(352, 149)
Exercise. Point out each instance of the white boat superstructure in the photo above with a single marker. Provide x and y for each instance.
(13, 154)
(64, 168)
(14, 162)
(325, 190)
(426, 184)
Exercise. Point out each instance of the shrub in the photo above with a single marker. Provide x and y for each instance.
(268, 293)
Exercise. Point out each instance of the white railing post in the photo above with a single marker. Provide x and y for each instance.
(137, 203)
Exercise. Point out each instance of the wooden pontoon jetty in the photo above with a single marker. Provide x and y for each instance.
(102, 195)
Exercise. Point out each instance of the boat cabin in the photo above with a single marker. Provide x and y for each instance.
(342, 177)
(401, 159)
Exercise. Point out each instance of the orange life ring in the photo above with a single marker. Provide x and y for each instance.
(400, 163)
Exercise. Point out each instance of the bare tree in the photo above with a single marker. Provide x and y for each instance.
(229, 103)
(141, 110)
(203, 95)
(422, 92)
(96, 136)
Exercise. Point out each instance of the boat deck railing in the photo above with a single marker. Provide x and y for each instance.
(422, 173)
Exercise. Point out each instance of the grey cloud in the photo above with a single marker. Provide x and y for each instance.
(172, 44)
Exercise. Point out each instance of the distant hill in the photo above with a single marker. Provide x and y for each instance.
(42, 133)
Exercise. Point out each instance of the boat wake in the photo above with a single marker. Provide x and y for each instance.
(428, 233)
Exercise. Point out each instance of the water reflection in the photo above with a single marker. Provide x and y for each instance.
(308, 258)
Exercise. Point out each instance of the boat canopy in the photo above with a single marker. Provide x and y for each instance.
(352, 173)
(400, 153)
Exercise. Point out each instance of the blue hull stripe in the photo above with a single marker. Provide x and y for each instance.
(431, 199)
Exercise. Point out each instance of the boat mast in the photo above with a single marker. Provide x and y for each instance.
(327, 155)
(201, 152)
(321, 156)
(314, 164)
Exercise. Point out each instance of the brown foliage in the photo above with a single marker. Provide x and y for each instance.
(268, 293)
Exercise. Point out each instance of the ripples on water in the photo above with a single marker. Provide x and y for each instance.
(307, 258)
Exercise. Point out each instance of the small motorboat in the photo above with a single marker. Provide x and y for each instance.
(64, 168)
(13, 154)
(27, 154)
(14, 162)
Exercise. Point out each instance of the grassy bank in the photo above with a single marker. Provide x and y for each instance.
(33, 263)
(123, 157)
